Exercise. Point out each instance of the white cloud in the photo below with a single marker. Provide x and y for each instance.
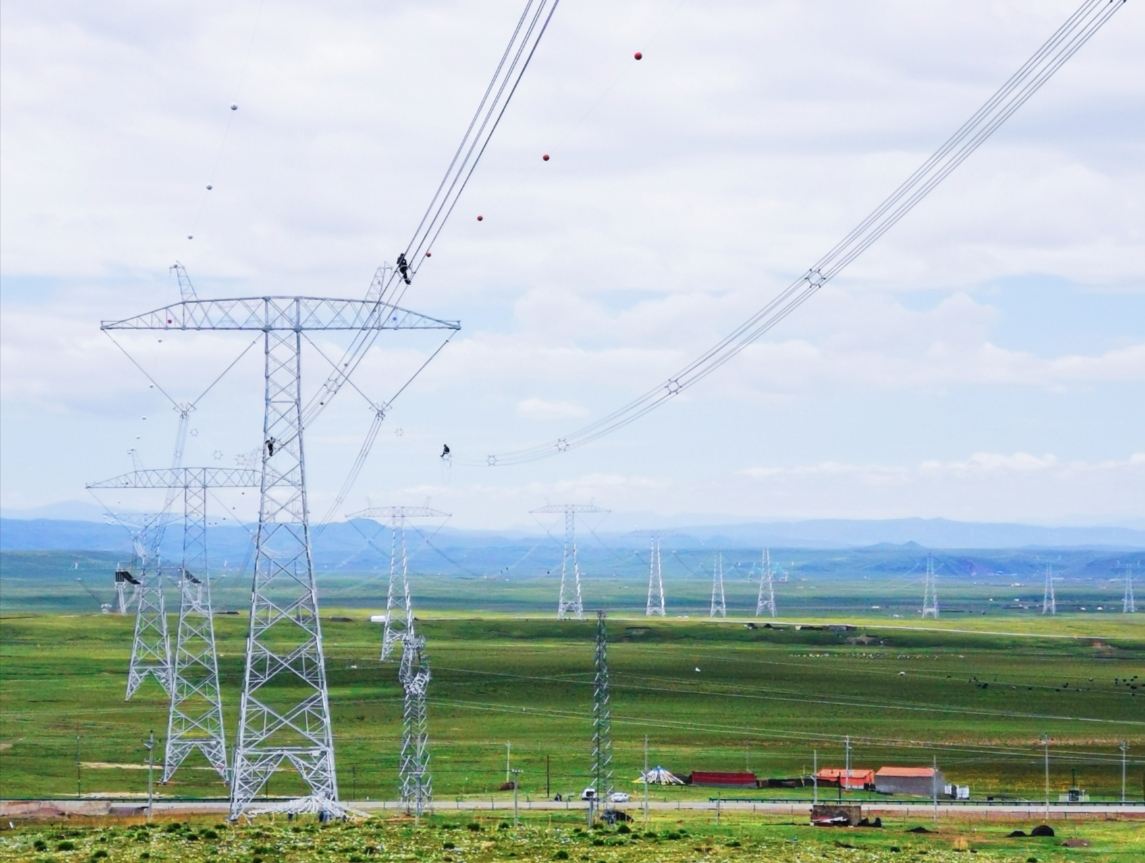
(539, 409)
(683, 192)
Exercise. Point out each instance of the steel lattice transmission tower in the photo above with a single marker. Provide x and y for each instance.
(655, 606)
(930, 591)
(398, 597)
(195, 716)
(1128, 605)
(570, 603)
(150, 645)
(601, 717)
(1049, 601)
(766, 600)
(284, 712)
(413, 765)
(719, 605)
(150, 642)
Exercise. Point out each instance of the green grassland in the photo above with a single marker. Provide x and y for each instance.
(976, 693)
(443, 839)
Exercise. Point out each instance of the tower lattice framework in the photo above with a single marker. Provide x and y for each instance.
(655, 607)
(1128, 604)
(413, 764)
(570, 602)
(719, 606)
(930, 591)
(399, 604)
(766, 600)
(1049, 600)
(284, 711)
(195, 715)
(150, 641)
(601, 716)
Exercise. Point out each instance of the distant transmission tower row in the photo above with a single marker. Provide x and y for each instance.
(570, 604)
(930, 591)
(399, 606)
(766, 600)
(1049, 601)
(719, 606)
(655, 605)
(1128, 605)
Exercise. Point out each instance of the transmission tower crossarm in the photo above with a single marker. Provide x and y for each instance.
(391, 512)
(280, 314)
(183, 477)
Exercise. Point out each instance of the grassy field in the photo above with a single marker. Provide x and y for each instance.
(974, 693)
(451, 840)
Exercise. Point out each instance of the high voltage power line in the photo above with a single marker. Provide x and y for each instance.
(1063, 44)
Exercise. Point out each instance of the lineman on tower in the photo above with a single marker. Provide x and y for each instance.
(403, 267)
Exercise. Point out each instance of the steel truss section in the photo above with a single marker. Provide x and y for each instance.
(413, 764)
(195, 719)
(655, 606)
(150, 643)
(719, 603)
(284, 714)
(601, 717)
(930, 591)
(1049, 600)
(399, 621)
(766, 600)
(569, 604)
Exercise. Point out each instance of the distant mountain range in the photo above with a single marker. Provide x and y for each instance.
(345, 543)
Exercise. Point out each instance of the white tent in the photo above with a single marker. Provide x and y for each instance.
(659, 776)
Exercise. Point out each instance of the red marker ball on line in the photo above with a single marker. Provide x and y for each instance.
(638, 55)
(545, 157)
(480, 218)
(428, 254)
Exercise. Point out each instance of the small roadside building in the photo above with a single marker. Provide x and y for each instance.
(855, 780)
(919, 781)
(713, 779)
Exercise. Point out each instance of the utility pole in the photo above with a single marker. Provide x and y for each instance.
(815, 776)
(1046, 747)
(847, 768)
(646, 782)
(570, 603)
(719, 605)
(930, 591)
(79, 768)
(766, 600)
(655, 606)
(601, 718)
(515, 774)
(1124, 747)
(150, 747)
(1049, 602)
(508, 763)
(548, 777)
(934, 786)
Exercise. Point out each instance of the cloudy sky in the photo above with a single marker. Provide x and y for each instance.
(983, 361)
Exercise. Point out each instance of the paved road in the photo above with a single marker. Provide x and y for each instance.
(984, 811)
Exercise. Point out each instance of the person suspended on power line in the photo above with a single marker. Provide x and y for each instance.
(445, 451)
(403, 267)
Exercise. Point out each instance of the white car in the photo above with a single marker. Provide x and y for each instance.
(618, 797)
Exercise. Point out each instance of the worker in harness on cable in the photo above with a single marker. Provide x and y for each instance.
(403, 267)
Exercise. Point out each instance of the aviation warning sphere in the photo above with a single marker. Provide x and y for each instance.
(638, 55)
